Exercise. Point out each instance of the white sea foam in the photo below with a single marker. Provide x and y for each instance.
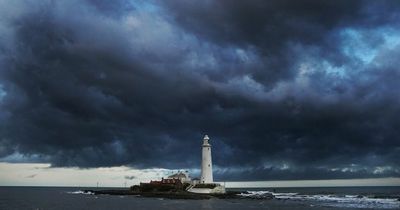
(81, 192)
(256, 194)
(347, 201)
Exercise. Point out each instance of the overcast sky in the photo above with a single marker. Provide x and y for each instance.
(285, 89)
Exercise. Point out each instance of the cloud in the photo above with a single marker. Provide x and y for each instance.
(283, 89)
(130, 177)
(31, 176)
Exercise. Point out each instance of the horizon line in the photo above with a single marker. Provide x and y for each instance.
(363, 182)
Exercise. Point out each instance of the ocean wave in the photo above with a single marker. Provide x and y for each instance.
(257, 194)
(81, 192)
(346, 201)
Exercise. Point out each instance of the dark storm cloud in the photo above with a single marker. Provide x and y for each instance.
(130, 177)
(286, 90)
(272, 27)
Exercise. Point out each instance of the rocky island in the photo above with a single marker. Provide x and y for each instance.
(181, 186)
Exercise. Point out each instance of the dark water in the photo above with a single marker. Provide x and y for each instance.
(286, 198)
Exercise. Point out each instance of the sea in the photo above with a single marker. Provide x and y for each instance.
(57, 198)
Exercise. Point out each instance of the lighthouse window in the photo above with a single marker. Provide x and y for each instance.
(208, 148)
(208, 165)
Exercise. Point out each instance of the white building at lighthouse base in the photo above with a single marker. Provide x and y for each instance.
(217, 189)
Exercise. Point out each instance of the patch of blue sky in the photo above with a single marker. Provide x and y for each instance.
(336, 71)
(356, 43)
(146, 6)
(3, 93)
(391, 37)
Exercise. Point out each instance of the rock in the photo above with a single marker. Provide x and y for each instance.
(179, 194)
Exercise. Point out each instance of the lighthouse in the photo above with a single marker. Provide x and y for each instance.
(206, 162)
(206, 183)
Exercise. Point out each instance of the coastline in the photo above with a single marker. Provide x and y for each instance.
(176, 195)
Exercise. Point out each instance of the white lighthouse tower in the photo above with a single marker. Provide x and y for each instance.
(206, 185)
(206, 162)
